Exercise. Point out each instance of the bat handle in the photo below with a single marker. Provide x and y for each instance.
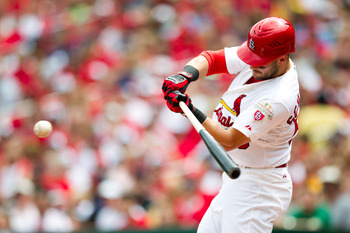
(196, 124)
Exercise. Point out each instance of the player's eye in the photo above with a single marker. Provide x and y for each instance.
(261, 67)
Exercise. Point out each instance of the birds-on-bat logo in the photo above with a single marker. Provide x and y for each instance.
(236, 110)
(237, 104)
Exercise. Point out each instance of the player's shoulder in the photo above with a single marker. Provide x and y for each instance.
(287, 88)
(233, 63)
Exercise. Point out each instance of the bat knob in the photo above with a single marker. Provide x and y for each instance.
(235, 173)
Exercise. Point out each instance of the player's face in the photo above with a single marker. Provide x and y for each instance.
(265, 72)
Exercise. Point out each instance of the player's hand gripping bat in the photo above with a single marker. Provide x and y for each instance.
(217, 151)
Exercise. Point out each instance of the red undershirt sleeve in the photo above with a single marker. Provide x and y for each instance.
(216, 60)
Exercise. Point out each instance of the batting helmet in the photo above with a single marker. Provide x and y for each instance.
(268, 40)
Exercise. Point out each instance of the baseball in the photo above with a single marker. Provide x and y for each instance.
(42, 129)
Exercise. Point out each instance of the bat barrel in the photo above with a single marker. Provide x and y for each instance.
(220, 155)
(216, 150)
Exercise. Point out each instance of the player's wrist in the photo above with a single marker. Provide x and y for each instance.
(190, 73)
(201, 117)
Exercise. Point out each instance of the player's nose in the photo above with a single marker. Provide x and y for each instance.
(254, 68)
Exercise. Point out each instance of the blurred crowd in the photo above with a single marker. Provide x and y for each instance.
(117, 157)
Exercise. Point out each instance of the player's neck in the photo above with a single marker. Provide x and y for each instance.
(288, 66)
(284, 68)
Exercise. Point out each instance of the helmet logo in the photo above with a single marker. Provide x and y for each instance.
(251, 44)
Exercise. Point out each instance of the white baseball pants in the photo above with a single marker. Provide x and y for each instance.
(249, 204)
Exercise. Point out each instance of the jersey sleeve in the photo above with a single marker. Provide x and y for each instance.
(233, 62)
(259, 119)
(216, 61)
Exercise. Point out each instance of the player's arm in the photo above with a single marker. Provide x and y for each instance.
(230, 138)
(207, 63)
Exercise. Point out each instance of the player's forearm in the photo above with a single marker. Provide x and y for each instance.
(229, 138)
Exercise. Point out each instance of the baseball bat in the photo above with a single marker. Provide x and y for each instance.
(215, 149)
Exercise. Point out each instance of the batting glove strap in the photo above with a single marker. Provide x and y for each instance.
(201, 117)
(190, 73)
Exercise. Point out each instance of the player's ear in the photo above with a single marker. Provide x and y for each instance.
(283, 59)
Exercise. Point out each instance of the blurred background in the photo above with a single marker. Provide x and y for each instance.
(117, 158)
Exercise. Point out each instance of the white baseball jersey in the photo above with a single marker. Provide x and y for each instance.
(265, 111)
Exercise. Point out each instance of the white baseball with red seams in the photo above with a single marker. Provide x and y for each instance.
(42, 129)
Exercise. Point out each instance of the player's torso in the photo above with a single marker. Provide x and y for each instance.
(271, 149)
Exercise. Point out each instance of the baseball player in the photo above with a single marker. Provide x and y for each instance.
(255, 121)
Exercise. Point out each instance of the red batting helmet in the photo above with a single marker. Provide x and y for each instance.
(268, 40)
